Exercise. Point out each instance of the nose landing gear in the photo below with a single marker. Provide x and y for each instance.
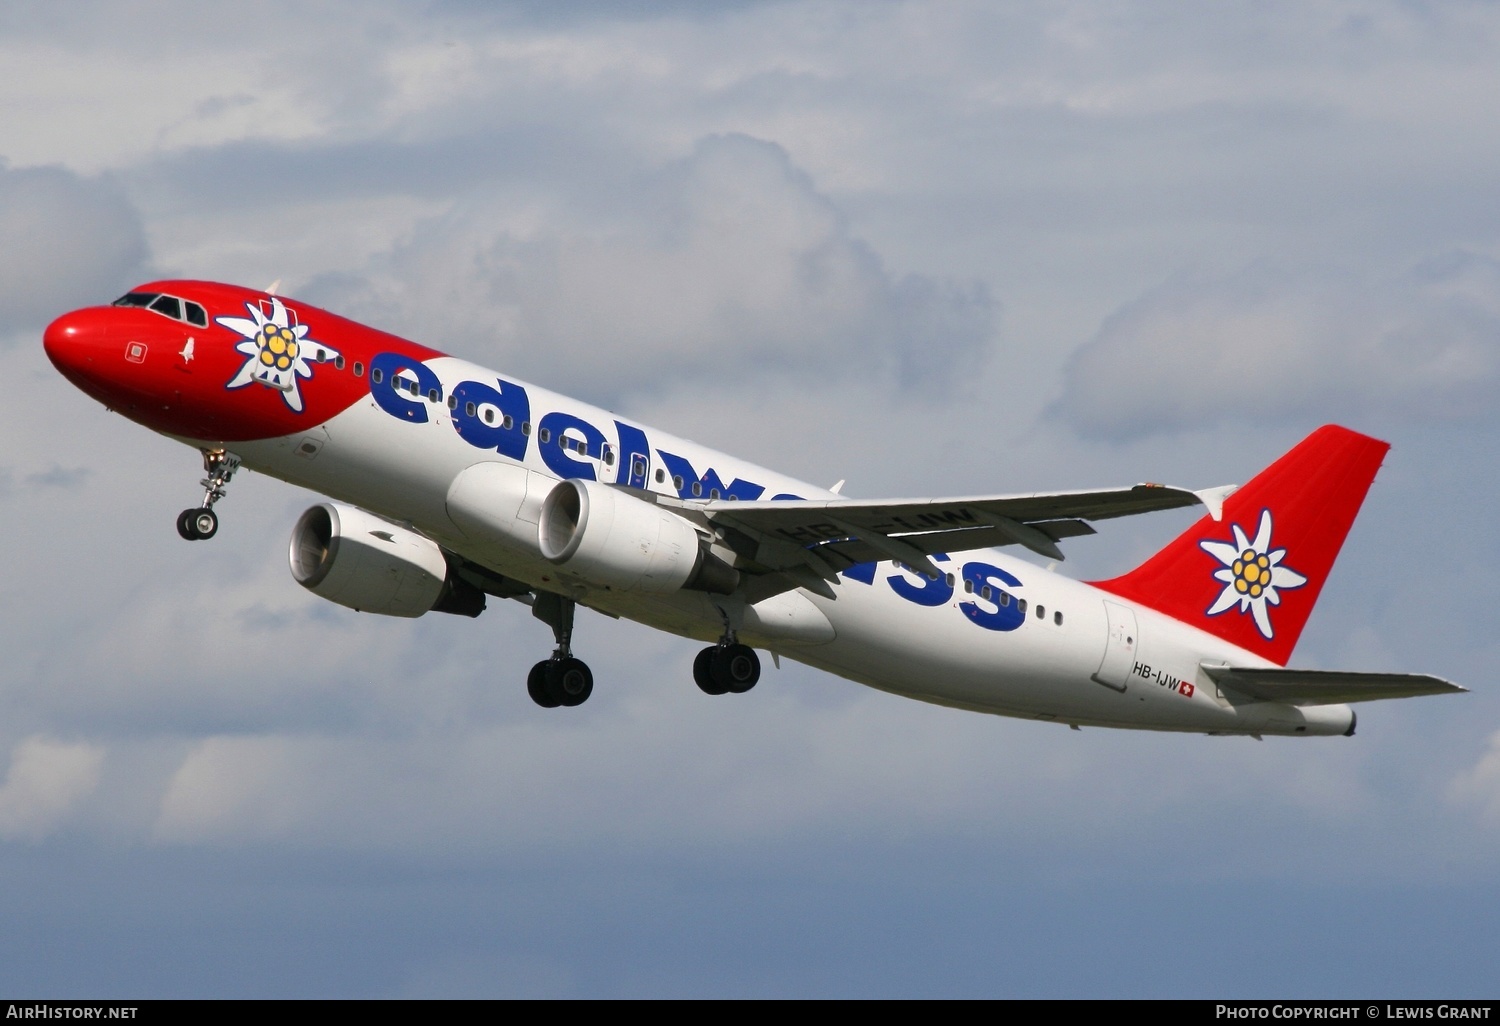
(203, 523)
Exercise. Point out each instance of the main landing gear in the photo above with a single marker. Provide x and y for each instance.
(561, 680)
(203, 523)
(727, 668)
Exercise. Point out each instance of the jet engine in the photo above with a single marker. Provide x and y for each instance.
(613, 539)
(358, 560)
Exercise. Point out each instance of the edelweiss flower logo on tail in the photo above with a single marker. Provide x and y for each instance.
(1253, 575)
(275, 350)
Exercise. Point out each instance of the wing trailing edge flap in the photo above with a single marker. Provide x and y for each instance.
(1326, 687)
(857, 550)
(825, 536)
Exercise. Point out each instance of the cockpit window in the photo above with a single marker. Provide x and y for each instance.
(169, 305)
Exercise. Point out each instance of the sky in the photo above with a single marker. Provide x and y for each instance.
(936, 248)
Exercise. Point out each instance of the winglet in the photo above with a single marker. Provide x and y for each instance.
(1214, 498)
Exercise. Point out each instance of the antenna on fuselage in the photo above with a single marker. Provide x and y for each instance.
(271, 288)
(836, 489)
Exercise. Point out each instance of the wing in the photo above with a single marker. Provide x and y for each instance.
(808, 542)
(1327, 687)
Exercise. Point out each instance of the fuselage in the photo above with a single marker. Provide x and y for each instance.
(391, 426)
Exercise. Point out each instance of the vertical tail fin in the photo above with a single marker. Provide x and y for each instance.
(1252, 578)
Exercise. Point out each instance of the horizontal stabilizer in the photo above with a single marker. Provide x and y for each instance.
(1326, 687)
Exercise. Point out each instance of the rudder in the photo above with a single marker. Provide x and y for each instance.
(1253, 577)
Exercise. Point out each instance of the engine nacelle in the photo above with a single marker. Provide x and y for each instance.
(613, 539)
(358, 560)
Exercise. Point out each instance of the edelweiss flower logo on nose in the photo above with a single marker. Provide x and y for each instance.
(1253, 575)
(276, 348)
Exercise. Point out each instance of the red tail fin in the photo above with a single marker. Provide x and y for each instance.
(1252, 578)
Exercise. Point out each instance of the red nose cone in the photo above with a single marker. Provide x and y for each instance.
(76, 342)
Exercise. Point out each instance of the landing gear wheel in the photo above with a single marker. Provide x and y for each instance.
(735, 667)
(703, 673)
(205, 523)
(570, 681)
(197, 524)
(536, 686)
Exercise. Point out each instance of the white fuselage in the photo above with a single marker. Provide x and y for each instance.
(887, 627)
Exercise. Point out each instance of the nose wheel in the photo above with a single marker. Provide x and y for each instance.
(203, 523)
(197, 524)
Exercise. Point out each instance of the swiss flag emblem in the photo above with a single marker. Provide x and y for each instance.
(1186, 689)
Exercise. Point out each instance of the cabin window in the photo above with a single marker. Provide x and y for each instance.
(433, 395)
(985, 593)
(489, 416)
(661, 475)
(609, 457)
(1057, 617)
(453, 403)
(697, 489)
(949, 578)
(526, 427)
(677, 481)
(507, 423)
(638, 468)
(376, 375)
(1005, 598)
(359, 369)
(470, 409)
(968, 586)
(1021, 605)
(1041, 612)
(544, 435)
(338, 361)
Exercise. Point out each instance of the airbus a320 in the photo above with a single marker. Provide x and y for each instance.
(451, 485)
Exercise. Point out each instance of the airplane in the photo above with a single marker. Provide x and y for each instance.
(451, 484)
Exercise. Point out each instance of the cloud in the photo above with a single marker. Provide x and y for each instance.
(68, 241)
(1479, 786)
(1267, 344)
(726, 263)
(46, 780)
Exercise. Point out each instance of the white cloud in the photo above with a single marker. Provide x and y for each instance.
(46, 780)
(1265, 344)
(1478, 787)
(726, 263)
